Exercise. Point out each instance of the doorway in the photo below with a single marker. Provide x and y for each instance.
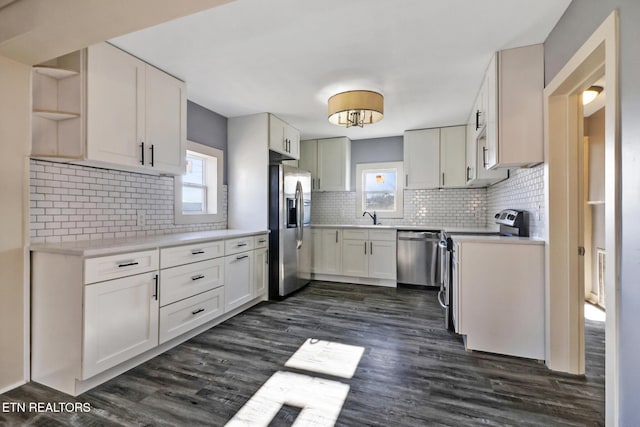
(565, 193)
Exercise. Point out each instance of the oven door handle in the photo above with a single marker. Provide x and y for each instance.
(441, 298)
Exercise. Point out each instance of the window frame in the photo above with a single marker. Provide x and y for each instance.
(361, 168)
(201, 218)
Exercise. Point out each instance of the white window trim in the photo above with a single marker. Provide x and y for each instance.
(181, 218)
(361, 167)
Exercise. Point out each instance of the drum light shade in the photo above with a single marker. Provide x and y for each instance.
(356, 108)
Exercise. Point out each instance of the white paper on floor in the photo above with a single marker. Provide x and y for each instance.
(326, 357)
(321, 401)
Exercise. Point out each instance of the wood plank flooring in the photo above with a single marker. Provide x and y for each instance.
(412, 372)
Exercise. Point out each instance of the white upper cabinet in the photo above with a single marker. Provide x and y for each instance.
(476, 152)
(166, 119)
(131, 116)
(329, 161)
(422, 158)
(115, 106)
(309, 160)
(136, 114)
(434, 158)
(283, 138)
(514, 124)
(334, 164)
(452, 156)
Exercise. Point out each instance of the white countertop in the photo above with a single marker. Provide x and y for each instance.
(93, 248)
(451, 230)
(498, 239)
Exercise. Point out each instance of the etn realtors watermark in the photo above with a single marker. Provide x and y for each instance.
(40, 407)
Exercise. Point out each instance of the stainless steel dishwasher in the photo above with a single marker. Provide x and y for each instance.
(418, 257)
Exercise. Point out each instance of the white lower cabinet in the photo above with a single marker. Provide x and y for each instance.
(355, 252)
(261, 272)
(499, 297)
(238, 285)
(120, 321)
(182, 316)
(327, 251)
(93, 318)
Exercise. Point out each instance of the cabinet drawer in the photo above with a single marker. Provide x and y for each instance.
(350, 234)
(386, 235)
(116, 266)
(182, 316)
(235, 246)
(261, 241)
(178, 283)
(170, 257)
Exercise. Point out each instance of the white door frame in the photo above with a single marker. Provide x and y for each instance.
(564, 294)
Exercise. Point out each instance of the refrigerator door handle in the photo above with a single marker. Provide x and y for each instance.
(299, 214)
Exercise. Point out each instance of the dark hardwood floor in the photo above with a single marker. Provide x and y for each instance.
(412, 372)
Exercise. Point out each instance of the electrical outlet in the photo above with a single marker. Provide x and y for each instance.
(141, 218)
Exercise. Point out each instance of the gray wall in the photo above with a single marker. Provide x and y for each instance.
(374, 150)
(208, 128)
(579, 21)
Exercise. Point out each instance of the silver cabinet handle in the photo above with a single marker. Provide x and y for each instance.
(142, 153)
(239, 245)
(197, 252)
(152, 155)
(200, 310)
(406, 180)
(128, 264)
(198, 277)
(443, 179)
(365, 248)
(484, 156)
(261, 240)
(370, 248)
(242, 257)
(336, 236)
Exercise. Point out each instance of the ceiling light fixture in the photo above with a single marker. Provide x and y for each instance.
(356, 108)
(590, 94)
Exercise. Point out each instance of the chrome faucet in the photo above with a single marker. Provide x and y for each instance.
(374, 217)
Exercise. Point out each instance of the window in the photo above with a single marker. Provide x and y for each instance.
(198, 193)
(379, 189)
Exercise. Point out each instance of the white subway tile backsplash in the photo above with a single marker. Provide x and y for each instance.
(447, 207)
(524, 190)
(71, 202)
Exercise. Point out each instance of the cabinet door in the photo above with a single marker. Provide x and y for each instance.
(422, 158)
(238, 287)
(120, 321)
(355, 258)
(330, 252)
(292, 137)
(334, 164)
(452, 157)
(471, 151)
(261, 272)
(491, 85)
(115, 106)
(309, 160)
(382, 259)
(166, 119)
(277, 130)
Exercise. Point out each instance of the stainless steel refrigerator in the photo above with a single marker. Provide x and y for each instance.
(289, 222)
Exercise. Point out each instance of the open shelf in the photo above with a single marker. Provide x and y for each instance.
(57, 73)
(55, 115)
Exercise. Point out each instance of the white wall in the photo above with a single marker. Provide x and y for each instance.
(15, 134)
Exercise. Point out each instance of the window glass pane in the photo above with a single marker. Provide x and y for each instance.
(379, 180)
(195, 170)
(193, 199)
(379, 190)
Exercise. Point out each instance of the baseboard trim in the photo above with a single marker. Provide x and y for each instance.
(388, 283)
(12, 386)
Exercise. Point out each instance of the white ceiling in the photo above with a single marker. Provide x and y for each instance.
(288, 56)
